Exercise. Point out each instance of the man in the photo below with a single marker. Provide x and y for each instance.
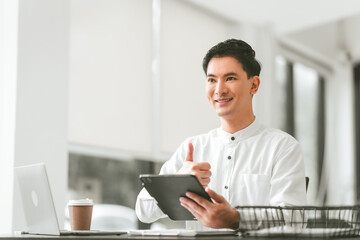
(240, 163)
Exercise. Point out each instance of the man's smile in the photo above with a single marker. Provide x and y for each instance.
(223, 100)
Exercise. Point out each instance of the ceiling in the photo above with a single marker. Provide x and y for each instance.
(285, 16)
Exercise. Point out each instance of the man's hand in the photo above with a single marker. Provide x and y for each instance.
(200, 170)
(216, 214)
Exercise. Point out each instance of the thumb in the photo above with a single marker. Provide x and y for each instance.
(214, 196)
(189, 156)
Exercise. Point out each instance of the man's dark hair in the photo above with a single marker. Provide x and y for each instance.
(237, 49)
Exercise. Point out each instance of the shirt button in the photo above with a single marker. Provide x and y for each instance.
(232, 138)
(229, 157)
(226, 187)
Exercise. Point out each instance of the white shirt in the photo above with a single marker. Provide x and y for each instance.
(254, 166)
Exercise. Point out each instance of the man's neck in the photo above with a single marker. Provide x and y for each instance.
(236, 124)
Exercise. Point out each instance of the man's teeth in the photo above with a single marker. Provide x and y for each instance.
(225, 100)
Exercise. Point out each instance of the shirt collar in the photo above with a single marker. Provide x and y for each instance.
(239, 135)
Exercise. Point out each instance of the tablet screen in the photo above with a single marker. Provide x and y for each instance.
(167, 189)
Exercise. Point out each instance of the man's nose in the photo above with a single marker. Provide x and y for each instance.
(220, 88)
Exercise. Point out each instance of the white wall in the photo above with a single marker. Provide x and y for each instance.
(314, 38)
(286, 16)
(38, 61)
(333, 39)
(184, 43)
(8, 58)
(352, 37)
(111, 99)
(110, 95)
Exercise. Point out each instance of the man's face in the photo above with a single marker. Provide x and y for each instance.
(228, 89)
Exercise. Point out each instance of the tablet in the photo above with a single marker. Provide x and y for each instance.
(167, 189)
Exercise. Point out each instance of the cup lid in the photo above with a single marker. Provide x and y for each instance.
(81, 202)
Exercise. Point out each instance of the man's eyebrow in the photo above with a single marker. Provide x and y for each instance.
(226, 75)
(230, 74)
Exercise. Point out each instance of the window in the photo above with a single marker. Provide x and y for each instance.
(302, 99)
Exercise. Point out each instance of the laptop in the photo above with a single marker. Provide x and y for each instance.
(38, 204)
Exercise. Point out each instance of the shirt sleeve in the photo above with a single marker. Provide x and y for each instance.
(288, 187)
(146, 207)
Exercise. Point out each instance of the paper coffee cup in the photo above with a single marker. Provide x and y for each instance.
(80, 213)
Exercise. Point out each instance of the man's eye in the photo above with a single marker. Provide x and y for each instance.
(211, 80)
(230, 78)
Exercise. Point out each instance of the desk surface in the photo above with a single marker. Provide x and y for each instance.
(127, 237)
(117, 237)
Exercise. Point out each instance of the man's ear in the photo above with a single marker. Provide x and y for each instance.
(255, 83)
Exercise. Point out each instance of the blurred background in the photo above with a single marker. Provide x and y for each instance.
(103, 90)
